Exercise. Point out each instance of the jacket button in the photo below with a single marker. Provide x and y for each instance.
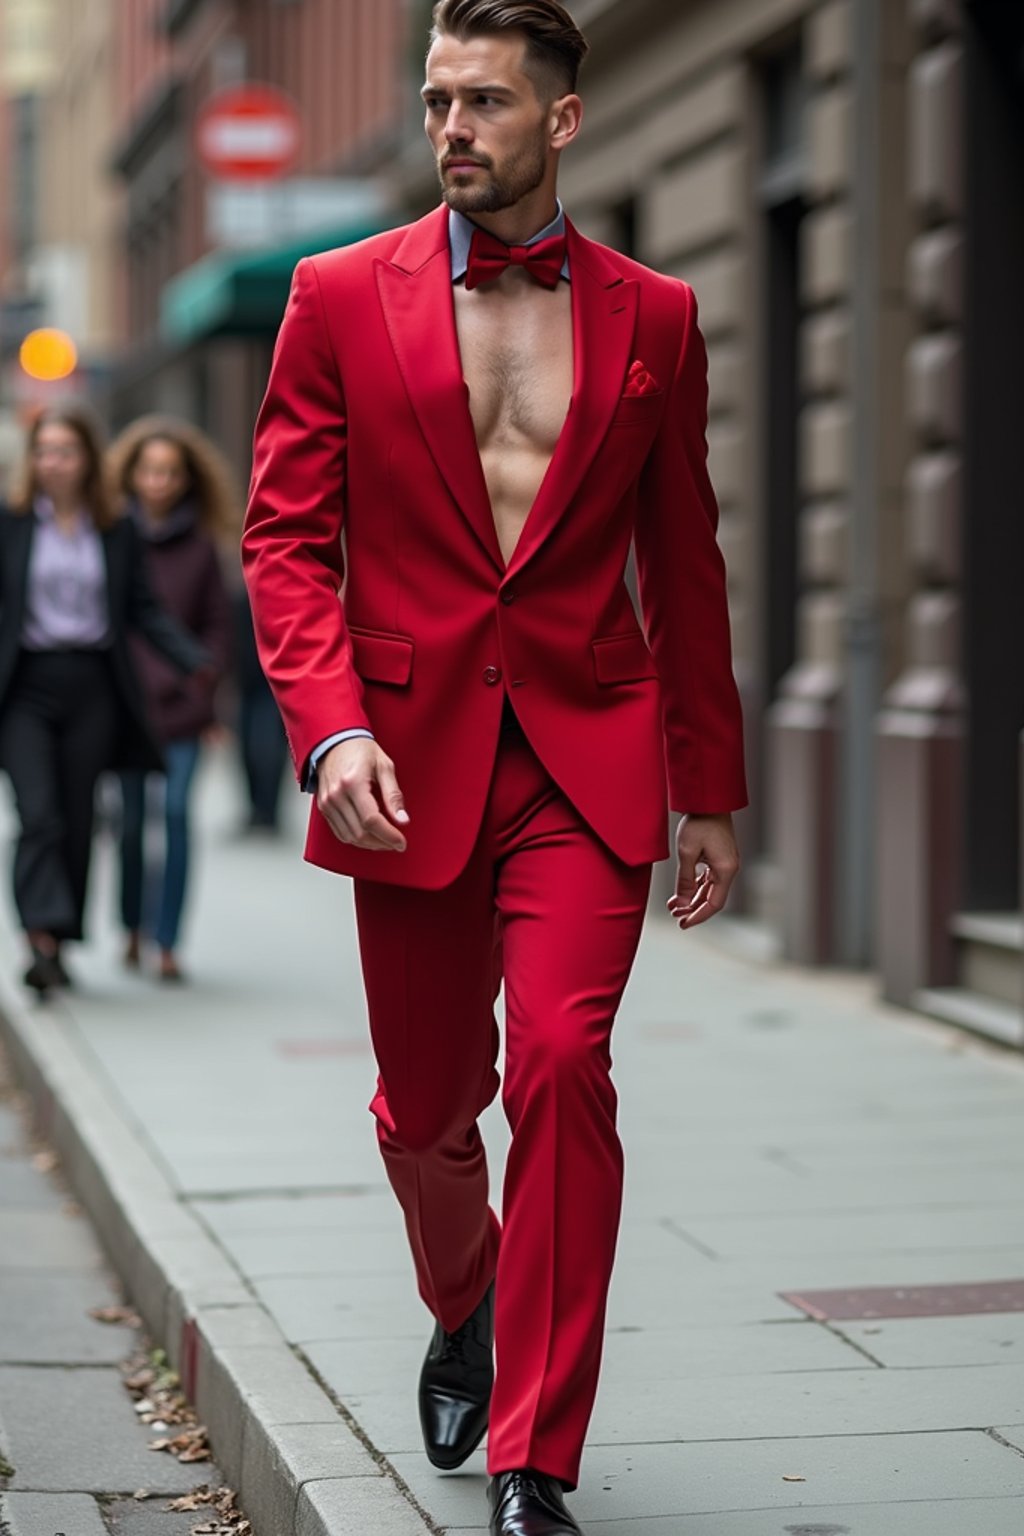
(492, 676)
(508, 595)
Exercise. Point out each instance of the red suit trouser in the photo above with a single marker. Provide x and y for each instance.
(544, 905)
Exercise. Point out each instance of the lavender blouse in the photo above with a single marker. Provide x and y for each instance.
(66, 596)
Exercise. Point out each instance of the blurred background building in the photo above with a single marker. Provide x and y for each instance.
(840, 181)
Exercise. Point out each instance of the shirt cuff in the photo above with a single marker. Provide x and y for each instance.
(309, 784)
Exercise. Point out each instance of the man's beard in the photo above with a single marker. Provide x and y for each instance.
(519, 177)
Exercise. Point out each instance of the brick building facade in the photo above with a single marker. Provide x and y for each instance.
(337, 62)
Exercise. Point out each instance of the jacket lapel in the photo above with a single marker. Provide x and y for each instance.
(16, 561)
(110, 565)
(604, 316)
(416, 296)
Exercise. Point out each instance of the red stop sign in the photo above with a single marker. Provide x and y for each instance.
(248, 133)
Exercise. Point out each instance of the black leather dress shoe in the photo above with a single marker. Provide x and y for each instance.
(455, 1387)
(527, 1503)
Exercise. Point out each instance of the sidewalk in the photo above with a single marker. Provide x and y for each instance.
(69, 1428)
(783, 1132)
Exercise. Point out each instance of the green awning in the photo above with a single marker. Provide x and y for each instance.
(240, 293)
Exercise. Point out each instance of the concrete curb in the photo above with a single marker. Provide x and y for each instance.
(294, 1458)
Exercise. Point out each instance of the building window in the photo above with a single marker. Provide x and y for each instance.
(780, 188)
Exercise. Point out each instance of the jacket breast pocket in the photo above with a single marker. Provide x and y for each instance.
(382, 658)
(639, 410)
(622, 659)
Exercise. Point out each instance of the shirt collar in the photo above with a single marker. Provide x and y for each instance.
(180, 519)
(46, 512)
(460, 234)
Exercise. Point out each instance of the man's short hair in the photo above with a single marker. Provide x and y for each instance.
(555, 46)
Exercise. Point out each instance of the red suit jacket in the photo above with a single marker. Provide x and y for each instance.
(412, 626)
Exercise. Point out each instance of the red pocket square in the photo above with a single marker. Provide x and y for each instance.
(640, 382)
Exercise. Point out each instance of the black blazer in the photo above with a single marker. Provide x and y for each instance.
(131, 605)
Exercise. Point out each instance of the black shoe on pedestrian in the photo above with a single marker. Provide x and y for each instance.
(60, 971)
(526, 1503)
(46, 973)
(455, 1387)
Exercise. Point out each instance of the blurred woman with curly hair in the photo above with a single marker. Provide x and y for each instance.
(178, 491)
(73, 589)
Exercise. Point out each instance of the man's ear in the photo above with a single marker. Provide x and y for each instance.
(565, 120)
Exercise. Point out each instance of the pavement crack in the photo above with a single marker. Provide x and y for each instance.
(993, 1434)
(781, 1158)
(687, 1237)
(279, 1192)
(59, 1365)
(858, 1349)
(359, 1433)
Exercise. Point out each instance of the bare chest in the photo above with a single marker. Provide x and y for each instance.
(517, 361)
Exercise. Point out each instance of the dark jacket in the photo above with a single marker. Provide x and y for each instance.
(131, 606)
(184, 572)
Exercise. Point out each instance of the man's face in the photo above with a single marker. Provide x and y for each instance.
(490, 132)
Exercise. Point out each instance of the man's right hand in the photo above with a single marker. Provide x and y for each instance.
(358, 796)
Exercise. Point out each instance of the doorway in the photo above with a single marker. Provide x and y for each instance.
(993, 511)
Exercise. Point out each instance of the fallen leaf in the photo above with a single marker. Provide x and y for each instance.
(144, 1493)
(6, 1470)
(139, 1380)
(126, 1315)
(793, 1477)
(194, 1500)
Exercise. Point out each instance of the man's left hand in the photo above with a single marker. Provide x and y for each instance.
(709, 862)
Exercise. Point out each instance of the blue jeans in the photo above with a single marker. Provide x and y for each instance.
(166, 896)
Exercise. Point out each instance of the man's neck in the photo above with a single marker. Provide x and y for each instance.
(518, 224)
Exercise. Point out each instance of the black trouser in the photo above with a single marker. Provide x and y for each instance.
(261, 738)
(57, 733)
(264, 752)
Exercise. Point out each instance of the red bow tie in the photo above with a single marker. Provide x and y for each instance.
(490, 257)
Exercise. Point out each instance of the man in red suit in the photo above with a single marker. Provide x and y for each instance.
(496, 410)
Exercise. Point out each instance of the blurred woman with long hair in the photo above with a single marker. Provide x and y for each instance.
(178, 490)
(72, 586)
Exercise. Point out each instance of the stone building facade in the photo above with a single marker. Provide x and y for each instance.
(840, 183)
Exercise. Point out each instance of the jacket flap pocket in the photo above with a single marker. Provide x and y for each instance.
(382, 658)
(623, 659)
